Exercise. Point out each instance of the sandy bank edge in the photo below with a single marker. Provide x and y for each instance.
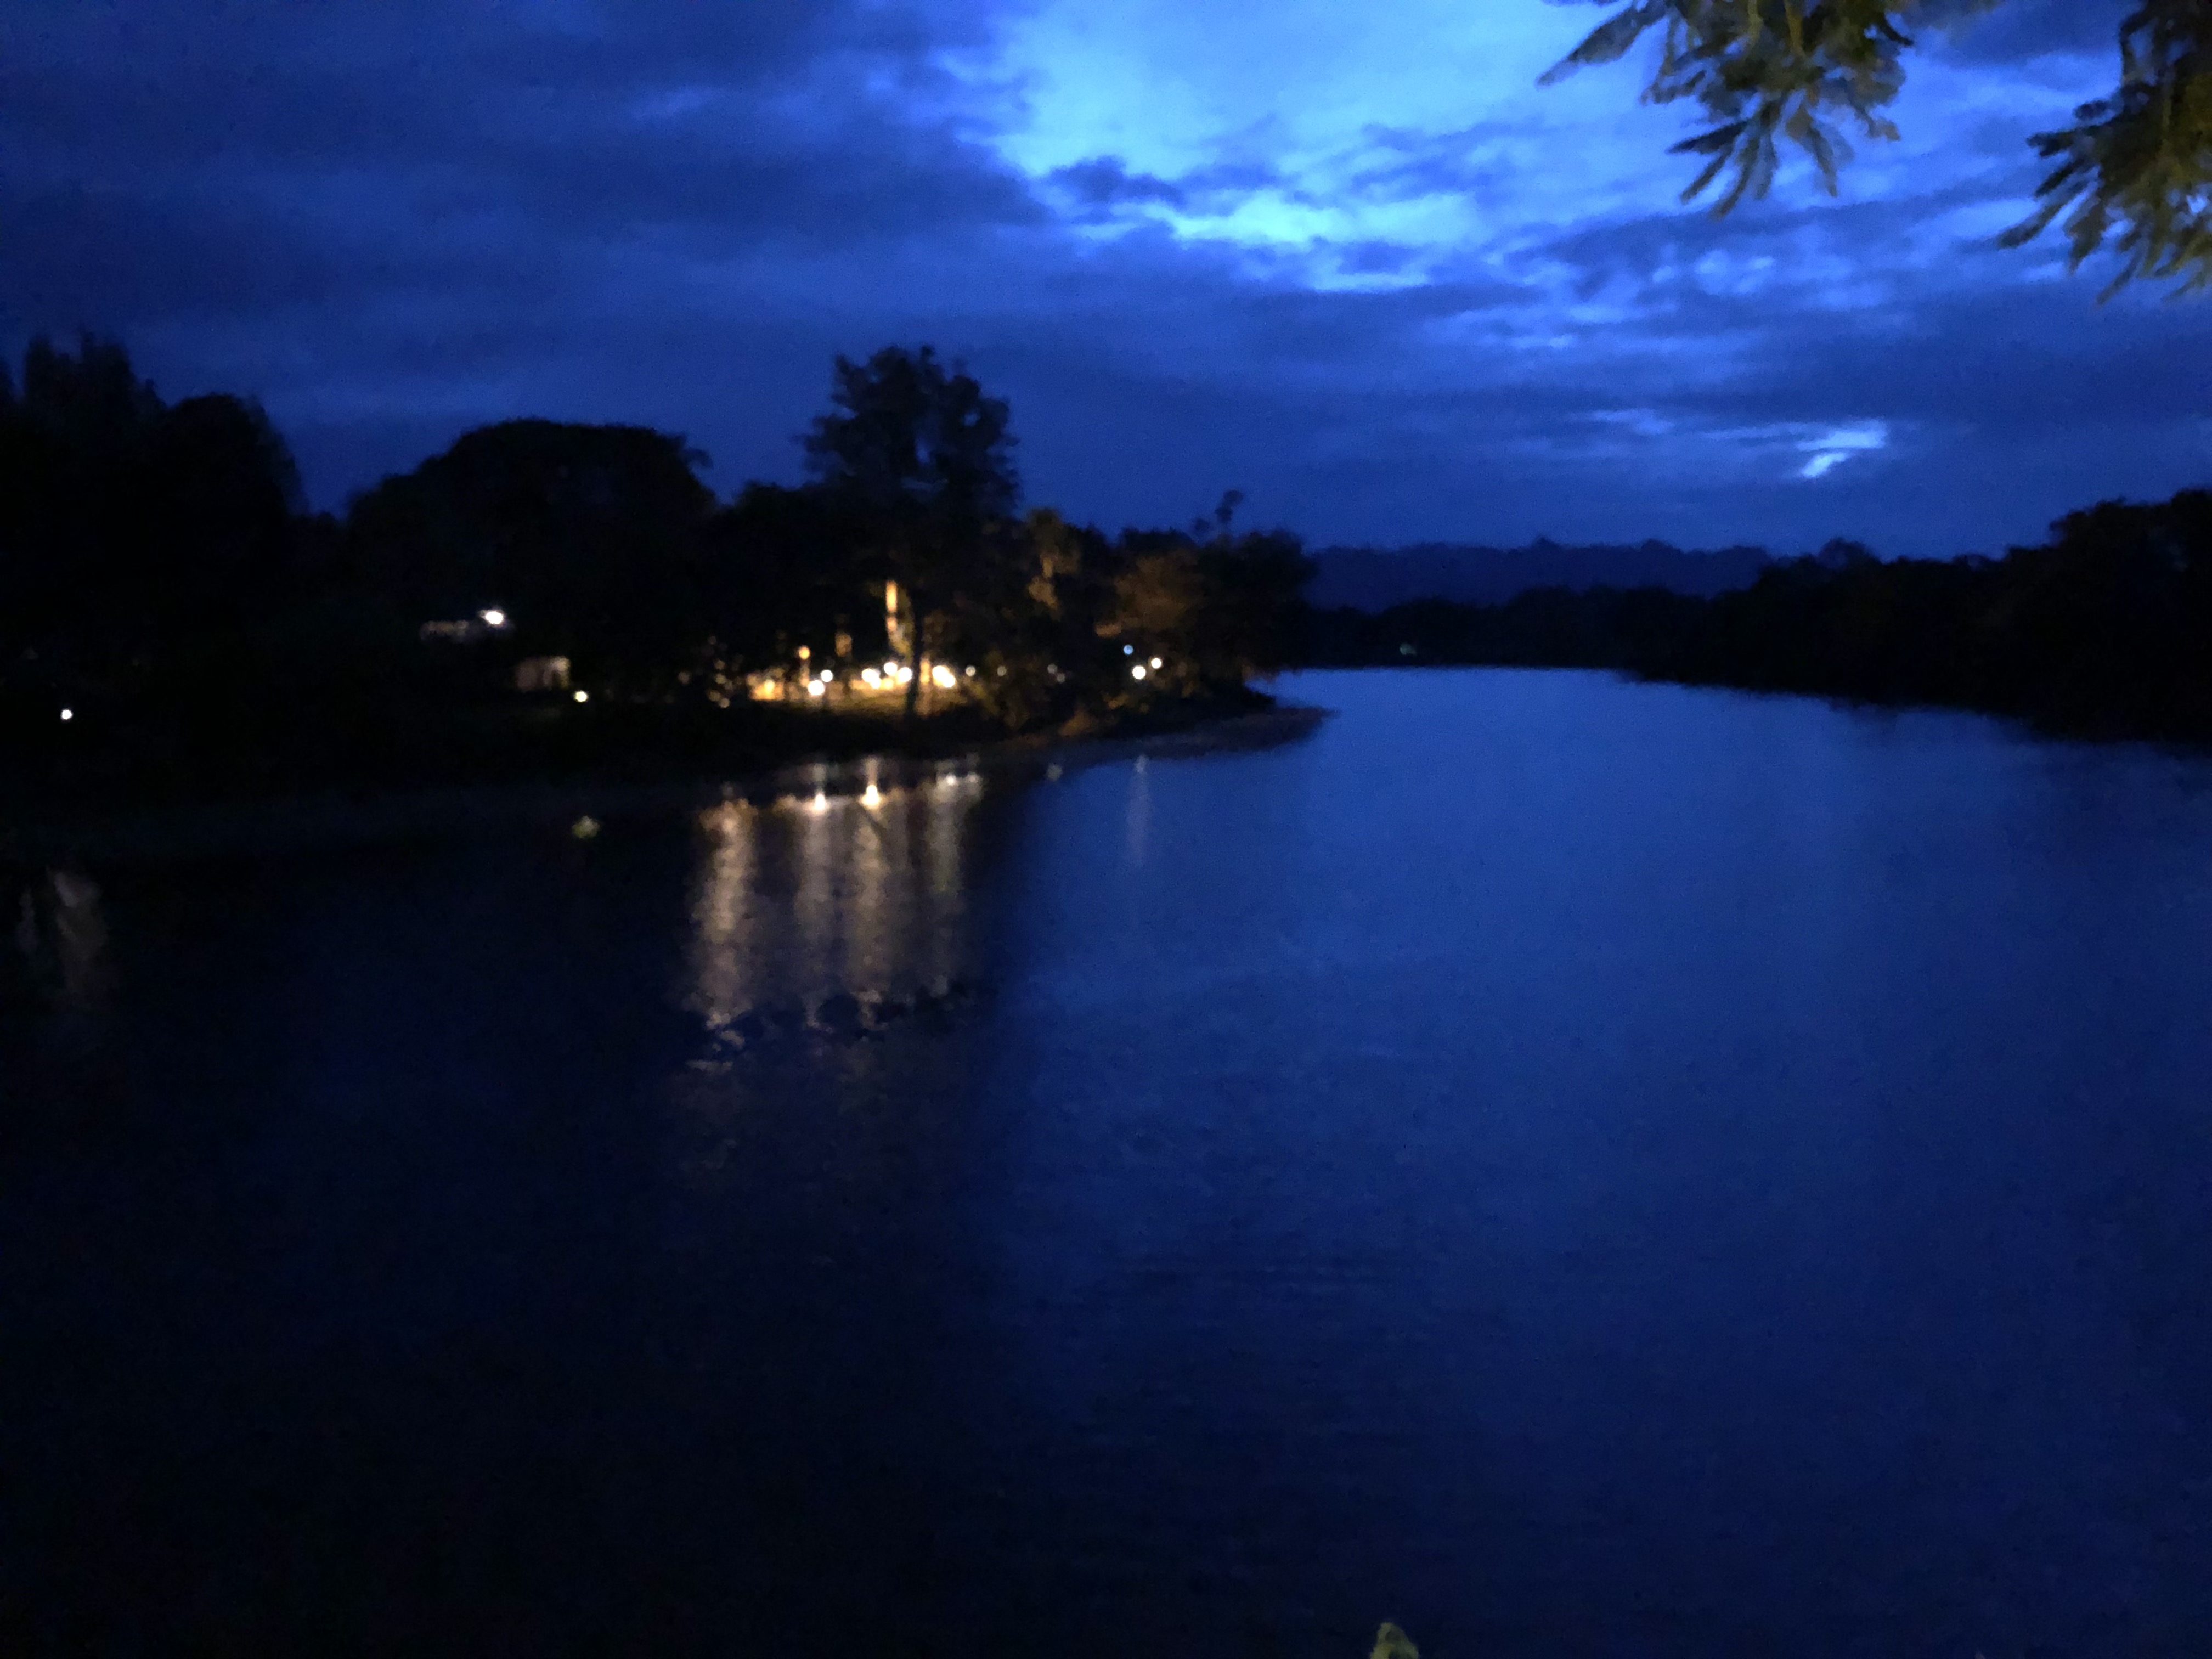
(317, 823)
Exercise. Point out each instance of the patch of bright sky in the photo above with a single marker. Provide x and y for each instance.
(1330, 97)
(1416, 123)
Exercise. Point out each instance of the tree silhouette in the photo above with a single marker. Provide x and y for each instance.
(922, 458)
(589, 538)
(139, 541)
(2136, 167)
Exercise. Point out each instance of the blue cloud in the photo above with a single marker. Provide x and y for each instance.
(1352, 261)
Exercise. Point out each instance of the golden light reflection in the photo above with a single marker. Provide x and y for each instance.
(855, 903)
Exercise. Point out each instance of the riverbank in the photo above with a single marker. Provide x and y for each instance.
(366, 817)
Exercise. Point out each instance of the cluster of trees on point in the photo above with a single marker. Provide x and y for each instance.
(2105, 629)
(161, 580)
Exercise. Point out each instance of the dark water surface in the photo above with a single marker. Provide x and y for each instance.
(1575, 1167)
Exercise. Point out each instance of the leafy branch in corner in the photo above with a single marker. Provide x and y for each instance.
(2136, 166)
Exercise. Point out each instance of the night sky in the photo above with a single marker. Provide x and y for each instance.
(1347, 258)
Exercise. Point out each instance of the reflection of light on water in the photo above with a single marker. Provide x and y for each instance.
(62, 931)
(821, 896)
(1137, 824)
(720, 914)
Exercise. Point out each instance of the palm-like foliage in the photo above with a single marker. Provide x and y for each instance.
(2143, 156)
(2136, 166)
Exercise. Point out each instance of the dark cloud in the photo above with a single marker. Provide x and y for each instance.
(1105, 182)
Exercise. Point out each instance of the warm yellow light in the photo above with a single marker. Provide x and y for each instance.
(872, 796)
(804, 652)
(871, 677)
(814, 687)
(944, 677)
(583, 696)
(1138, 672)
(891, 670)
(819, 804)
(586, 828)
(905, 675)
(1156, 662)
(971, 671)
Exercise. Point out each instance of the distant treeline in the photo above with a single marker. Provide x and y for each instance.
(174, 622)
(1371, 579)
(2104, 629)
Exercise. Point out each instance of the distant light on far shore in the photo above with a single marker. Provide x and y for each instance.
(494, 618)
(1138, 672)
(1156, 662)
(583, 696)
(68, 714)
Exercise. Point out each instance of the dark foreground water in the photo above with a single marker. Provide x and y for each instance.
(1572, 1167)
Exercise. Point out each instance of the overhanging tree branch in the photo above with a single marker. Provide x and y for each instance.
(2136, 167)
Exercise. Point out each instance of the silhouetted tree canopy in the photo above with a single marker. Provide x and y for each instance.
(138, 540)
(2135, 167)
(588, 538)
(921, 459)
(786, 568)
(2106, 628)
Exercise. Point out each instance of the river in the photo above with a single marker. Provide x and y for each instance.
(1575, 1167)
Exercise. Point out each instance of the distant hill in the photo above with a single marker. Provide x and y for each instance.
(1375, 579)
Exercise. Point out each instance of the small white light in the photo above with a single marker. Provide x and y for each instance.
(891, 670)
(1138, 672)
(583, 696)
(944, 677)
(971, 671)
(494, 618)
(905, 675)
(1156, 662)
(68, 714)
(871, 677)
(814, 687)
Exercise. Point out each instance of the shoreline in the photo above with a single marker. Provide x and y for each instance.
(316, 822)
